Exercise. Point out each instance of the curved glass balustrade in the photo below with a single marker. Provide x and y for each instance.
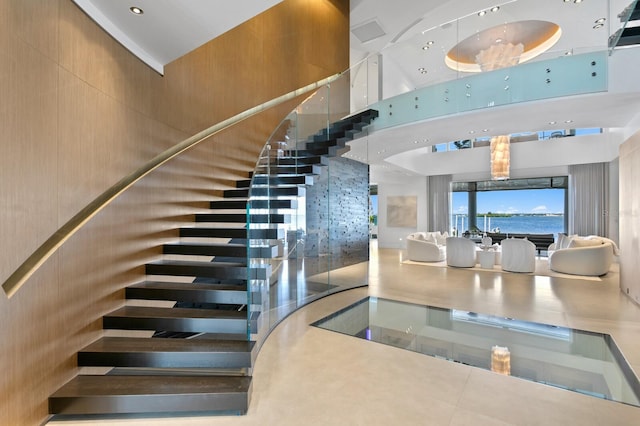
(423, 55)
(307, 214)
(437, 66)
(565, 76)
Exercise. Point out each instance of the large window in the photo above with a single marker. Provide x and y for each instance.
(528, 206)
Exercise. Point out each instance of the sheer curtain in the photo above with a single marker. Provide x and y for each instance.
(439, 190)
(589, 199)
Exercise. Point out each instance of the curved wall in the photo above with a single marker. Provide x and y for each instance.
(78, 113)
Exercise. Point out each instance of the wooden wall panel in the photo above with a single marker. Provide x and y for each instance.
(95, 58)
(78, 113)
(28, 146)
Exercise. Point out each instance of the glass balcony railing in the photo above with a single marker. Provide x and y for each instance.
(453, 61)
(564, 76)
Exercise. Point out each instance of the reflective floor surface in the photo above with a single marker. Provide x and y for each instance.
(305, 375)
(576, 360)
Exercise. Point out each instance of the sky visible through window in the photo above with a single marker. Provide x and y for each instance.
(523, 201)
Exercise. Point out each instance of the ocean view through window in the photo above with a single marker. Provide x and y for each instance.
(529, 209)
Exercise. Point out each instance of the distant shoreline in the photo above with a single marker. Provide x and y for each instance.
(509, 214)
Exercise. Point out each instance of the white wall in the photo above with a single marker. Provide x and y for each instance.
(614, 200)
(630, 217)
(399, 184)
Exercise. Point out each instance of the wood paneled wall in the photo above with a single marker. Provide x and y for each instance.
(78, 112)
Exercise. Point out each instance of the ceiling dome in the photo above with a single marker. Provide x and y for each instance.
(503, 45)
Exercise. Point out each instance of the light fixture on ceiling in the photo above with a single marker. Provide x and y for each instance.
(428, 45)
(136, 10)
(493, 9)
(503, 46)
(500, 157)
(499, 55)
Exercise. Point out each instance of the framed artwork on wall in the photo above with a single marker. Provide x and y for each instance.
(402, 211)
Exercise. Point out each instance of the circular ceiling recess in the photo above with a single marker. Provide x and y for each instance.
(503, 46)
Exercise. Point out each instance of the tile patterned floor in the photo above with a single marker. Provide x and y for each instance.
(309, 376)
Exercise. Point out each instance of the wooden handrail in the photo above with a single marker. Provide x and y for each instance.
(55, 241)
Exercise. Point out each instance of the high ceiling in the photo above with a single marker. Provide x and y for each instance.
(398, 31)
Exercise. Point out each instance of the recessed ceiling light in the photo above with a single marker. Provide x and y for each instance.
(577, 1)
(136, 10)
(568, 121)
(471, 132)
(597, 26)
(552, 122)
(428, 45)
(482, 13)
(600, 20)
(495, 8)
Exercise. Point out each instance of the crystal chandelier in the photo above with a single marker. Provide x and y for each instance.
(499, 55)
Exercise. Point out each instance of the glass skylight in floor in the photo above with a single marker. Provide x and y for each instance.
(576, 360)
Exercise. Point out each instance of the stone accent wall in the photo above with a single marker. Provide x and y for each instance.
(338, 214)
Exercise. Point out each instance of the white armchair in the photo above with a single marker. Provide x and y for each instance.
(518, 255)
(589, 256)
(461, 252)
(426, 247)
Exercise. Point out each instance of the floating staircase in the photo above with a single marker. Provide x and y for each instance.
(198, 356)
(630, 33)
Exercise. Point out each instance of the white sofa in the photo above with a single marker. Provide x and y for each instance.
(575, 255)
(518, 255)
(427, 246)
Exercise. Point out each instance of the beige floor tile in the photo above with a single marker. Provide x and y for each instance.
(310, 376)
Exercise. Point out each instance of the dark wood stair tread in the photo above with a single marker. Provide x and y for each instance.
(149, 344)
(159, 353)
(114, 394)
(152, 312)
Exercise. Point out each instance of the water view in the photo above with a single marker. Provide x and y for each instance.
(517, 224)
(522, 211)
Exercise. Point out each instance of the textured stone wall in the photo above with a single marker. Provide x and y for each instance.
(338, 214)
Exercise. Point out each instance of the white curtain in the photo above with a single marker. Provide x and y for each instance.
(589, 199)
(439, 193)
